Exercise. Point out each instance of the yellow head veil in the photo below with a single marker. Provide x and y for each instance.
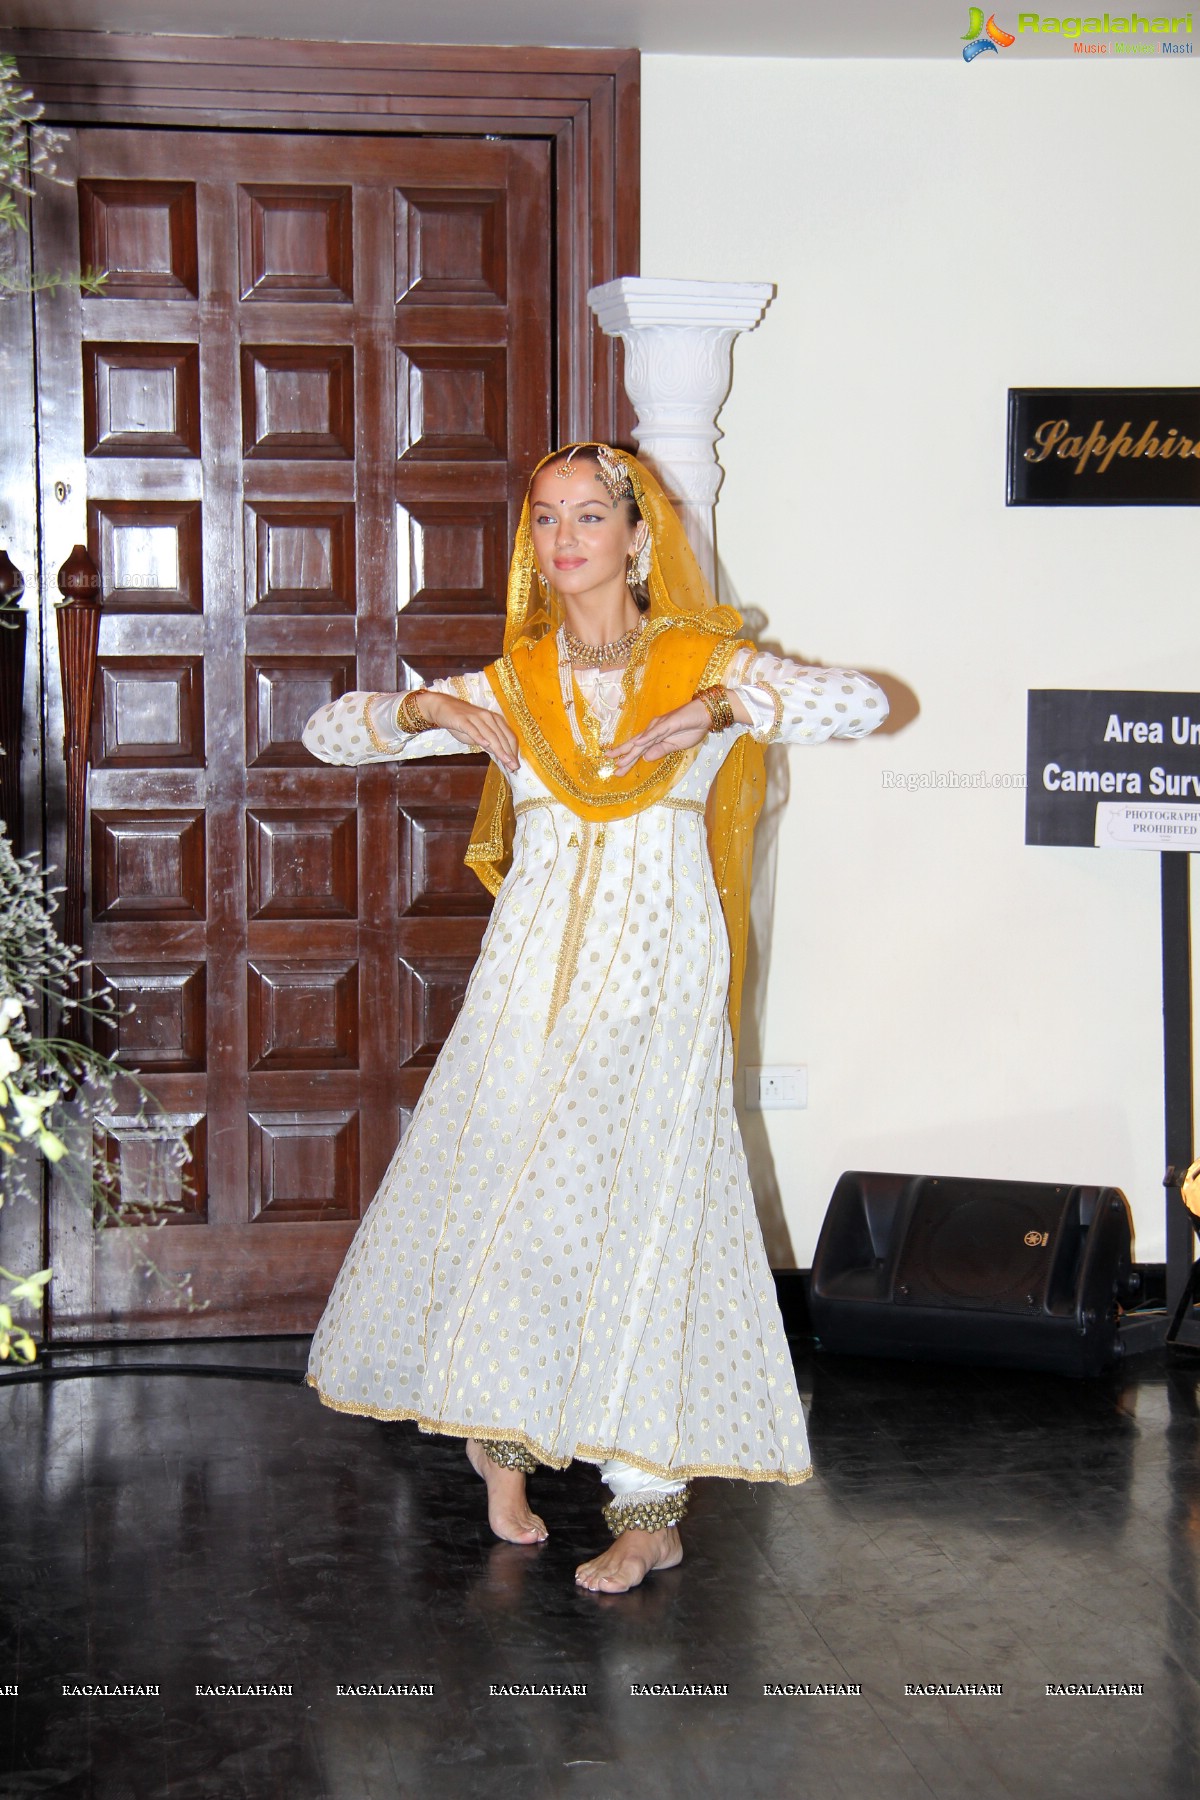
(677, 588)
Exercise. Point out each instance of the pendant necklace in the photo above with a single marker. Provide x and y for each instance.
(587, 738)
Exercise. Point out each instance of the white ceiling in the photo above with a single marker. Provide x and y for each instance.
(866, 28)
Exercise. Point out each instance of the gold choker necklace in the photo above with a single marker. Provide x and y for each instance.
(600, 656)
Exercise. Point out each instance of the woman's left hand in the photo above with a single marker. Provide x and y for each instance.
(677, 730)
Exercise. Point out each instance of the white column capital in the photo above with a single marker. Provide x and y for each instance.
(678, 338)
(634, 302)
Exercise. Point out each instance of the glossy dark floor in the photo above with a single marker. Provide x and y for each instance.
(963, 1527)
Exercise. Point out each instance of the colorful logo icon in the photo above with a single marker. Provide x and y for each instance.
(983, 37)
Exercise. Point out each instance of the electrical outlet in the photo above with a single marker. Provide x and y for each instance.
(782, 1086)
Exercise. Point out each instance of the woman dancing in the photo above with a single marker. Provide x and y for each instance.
(563, 1259)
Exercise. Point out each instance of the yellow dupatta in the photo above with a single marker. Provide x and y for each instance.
(686, 644)
(670, 661)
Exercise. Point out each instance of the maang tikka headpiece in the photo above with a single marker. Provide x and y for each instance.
(613, 473)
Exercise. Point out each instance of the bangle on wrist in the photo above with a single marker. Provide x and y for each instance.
(720, 712)
(409, 717)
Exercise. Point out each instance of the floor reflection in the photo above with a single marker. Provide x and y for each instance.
(964, 1526)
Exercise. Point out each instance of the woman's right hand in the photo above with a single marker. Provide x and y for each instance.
(474, 726)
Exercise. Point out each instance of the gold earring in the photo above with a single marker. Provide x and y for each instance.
(639, 562)
(544, 583)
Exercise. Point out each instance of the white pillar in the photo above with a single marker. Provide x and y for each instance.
(678, 371)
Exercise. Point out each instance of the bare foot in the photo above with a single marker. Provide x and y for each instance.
(508, 1511)
(630, 1560)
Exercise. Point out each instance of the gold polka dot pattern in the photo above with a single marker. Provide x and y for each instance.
(564, 1253)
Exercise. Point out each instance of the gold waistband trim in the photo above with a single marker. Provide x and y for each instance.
(692, 806)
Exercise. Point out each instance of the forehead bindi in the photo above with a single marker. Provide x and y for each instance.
(583, 487)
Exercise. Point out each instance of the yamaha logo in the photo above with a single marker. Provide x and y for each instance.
(1037, 1237)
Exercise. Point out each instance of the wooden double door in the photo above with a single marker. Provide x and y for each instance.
(294, 424)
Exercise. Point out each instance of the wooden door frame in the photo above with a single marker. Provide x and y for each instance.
(586, 102)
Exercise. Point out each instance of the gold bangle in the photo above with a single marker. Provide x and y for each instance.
(720, 712)
(409, 717)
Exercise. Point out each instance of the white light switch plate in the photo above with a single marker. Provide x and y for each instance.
(781, 1086)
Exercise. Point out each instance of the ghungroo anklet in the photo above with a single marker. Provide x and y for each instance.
(510, 1456)
(654, 1513)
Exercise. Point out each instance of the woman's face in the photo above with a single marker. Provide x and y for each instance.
(581, 538)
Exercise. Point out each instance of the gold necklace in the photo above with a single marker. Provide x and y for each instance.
(600, 656)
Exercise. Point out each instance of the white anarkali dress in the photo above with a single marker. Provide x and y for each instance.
(564, 1252)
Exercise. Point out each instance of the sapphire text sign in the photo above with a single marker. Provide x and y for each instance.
(1120, 769)
(1104, 447)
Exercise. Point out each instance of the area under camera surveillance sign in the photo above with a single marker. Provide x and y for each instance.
(1117, 769)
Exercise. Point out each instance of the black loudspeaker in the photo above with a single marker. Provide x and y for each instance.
(1020, 1274)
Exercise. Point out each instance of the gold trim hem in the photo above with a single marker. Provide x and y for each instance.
(583, 1452)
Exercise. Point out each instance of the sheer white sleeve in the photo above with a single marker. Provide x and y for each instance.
(791, 704)
(361, 728)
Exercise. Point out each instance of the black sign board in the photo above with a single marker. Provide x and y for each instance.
(1087, 747)
(1104, 446)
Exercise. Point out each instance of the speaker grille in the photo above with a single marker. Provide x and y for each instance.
(975, 1251)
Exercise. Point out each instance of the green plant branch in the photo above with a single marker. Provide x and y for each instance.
(28, 153)
(42, 1077)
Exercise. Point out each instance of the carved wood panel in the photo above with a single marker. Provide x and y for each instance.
(295, 243)
(303, 1014)
(298, 400)
(153, 1187)
(158, 1020)
(300, 556)
(148, 553)
(307, 401)
(141, 236)
(148, 865)
(149, 712)
(303, 1166)
(303, 864)
(431, 991)
(141, 400)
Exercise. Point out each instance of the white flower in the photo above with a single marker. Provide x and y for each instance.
(30, 1107)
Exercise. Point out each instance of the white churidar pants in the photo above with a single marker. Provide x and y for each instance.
(636, 1484)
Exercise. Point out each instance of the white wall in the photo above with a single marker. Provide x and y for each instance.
(938, 233)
